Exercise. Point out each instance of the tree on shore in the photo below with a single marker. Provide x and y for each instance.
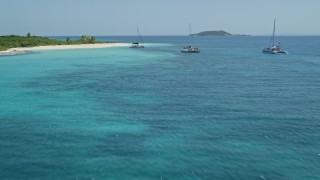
(88, 39)
(92, 40)
(68, 40)
(29, 34)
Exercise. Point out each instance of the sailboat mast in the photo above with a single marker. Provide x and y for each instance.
(138, 32)
(274, 31)
(189, 34)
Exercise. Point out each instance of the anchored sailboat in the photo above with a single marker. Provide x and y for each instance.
(140, 43)
(274, 49)
(189, 48)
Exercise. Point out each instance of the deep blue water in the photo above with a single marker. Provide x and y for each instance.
(229, 112)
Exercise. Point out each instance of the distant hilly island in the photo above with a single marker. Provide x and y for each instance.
(216, 33)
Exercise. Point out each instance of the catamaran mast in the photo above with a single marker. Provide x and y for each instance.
(274, 32)
(189, 34)
(138, 32)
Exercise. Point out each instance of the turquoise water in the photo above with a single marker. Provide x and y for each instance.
(229, 112)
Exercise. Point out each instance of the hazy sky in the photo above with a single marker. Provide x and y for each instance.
(158, 17)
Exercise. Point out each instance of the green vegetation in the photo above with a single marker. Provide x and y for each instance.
(88, 39)
(7, 42)
(68, 39)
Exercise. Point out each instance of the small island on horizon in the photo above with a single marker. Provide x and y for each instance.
(216, 33)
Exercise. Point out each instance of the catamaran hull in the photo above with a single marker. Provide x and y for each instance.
(186, 51)
(190, 49)
(137, 45)
(275, 51)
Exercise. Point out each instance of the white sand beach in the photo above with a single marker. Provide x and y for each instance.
(13, 51)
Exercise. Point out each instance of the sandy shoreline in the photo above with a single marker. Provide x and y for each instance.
(21, 50)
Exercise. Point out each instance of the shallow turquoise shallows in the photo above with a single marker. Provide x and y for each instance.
(229, 112)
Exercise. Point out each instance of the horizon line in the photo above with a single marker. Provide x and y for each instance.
(281, 34)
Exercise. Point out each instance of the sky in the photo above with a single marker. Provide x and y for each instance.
(158, 17)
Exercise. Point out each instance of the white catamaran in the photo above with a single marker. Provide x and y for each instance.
(274, 49)
(189, 48)
(140, 43)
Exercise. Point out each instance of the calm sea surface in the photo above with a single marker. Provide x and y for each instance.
(229, 112)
